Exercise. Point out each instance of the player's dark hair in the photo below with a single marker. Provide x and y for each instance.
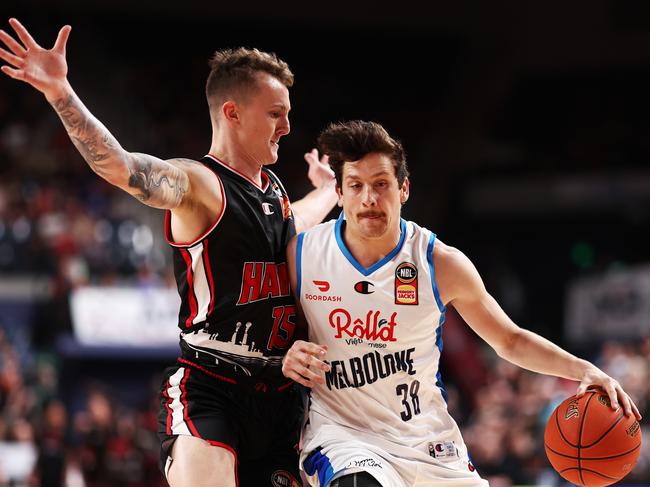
(233, 73)
(353, 140)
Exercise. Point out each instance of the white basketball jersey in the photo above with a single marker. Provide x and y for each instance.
(382, 326)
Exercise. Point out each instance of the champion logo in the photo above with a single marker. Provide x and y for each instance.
(267, 208)
(364, 287)
(323, 286)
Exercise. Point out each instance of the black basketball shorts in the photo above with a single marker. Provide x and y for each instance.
(260, 428)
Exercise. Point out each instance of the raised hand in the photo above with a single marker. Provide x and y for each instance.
(320, 174)
(44, 69)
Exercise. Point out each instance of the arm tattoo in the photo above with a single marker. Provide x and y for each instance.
(160, 184)
(90, 137)
(157, 183)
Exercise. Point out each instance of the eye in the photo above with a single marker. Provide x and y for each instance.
(381, 184)
(276, 114)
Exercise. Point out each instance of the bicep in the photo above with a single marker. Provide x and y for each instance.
(157, 183)
(468, 295)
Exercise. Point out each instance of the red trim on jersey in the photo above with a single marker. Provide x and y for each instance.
(206, 371)
(169, 409)
(191, 298)
(208, 273)
(265, 184)
(168, 221)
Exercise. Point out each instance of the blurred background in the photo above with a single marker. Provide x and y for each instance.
(528, 138)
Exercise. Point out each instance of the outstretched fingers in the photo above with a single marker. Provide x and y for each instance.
(26, 38)
(13, 73)
(62, 39)
(12, 44)
(11, 58)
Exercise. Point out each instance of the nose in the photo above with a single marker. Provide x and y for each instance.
(368, 196)
(284, 127)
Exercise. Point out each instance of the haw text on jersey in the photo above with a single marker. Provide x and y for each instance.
(372, 327)
(263, 280)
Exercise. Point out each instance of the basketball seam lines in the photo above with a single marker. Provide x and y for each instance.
(588, 470)
(582, 423)
(592, 458)
(605, 433)
(557, 423)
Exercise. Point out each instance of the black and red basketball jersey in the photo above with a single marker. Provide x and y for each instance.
(237, 313)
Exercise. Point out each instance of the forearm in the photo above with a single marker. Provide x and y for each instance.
(533, 352)
(314, 207)
(101, 151)
(151, 180)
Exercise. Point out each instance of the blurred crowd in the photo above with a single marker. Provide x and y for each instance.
(46, 441)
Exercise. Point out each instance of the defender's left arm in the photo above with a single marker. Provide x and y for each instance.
(315, 206)
(461, 286)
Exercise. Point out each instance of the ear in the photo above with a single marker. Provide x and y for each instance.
(230, 112)
(404, 191)
(340, 195)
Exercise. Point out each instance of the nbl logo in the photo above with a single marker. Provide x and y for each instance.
(406, 284)
(406, 272)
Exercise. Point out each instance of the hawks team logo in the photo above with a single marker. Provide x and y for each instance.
(406, 284)
(284, 201)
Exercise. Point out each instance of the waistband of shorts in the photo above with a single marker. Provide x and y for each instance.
(251, 383)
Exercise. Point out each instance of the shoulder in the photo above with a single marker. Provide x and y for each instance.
(455, 272)
(205, 187)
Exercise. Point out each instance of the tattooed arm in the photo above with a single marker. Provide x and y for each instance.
(157, 183)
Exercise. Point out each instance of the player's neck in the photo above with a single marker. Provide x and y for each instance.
(228, 153)
(368, 251)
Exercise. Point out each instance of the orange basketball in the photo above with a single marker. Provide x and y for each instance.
(588, 443)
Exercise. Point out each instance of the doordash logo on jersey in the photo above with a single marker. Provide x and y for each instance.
(371, 327)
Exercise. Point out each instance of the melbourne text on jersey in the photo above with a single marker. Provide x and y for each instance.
(369, 368)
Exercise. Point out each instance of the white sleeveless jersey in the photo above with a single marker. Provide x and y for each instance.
(382, 326)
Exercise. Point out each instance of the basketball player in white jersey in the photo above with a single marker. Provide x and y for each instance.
(374, 289)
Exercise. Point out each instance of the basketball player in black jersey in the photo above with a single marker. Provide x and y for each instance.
(228, 415)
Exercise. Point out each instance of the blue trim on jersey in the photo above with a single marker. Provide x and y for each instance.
(301, 236)
(317, 462)
(441, 307)
(436, 293)
(367, 271)
(439, 383)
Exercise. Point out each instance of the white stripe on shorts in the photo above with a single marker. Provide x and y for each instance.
(179, 427)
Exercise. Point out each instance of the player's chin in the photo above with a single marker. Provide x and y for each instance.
(271, 158)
